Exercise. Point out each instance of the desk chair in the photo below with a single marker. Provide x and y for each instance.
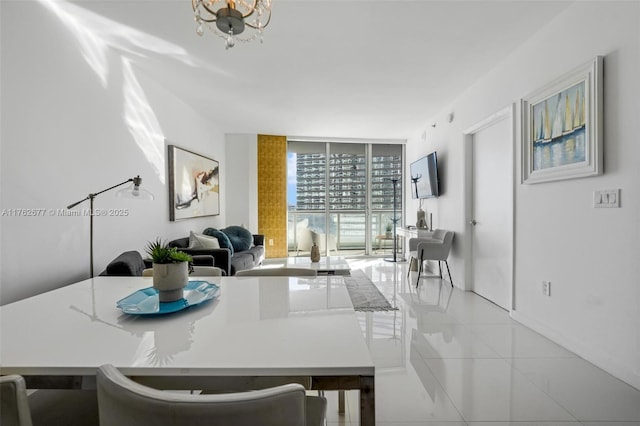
(277, 272)
(122, 401)
(435, 248)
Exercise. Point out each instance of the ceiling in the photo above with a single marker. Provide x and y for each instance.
(343, 69)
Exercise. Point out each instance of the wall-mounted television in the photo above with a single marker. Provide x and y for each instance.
(424, 177)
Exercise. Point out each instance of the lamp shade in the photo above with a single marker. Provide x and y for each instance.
(134, 191)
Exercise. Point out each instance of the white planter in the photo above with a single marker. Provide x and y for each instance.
(170, 279)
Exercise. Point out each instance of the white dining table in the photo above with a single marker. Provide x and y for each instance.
(257, 328)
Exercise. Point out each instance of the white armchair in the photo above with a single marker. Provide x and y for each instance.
(435, 248)
(320, 240)
(303, 236)
(306, 237)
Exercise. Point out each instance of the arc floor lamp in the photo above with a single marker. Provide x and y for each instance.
(132, 191)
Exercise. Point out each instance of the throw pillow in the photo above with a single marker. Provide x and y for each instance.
(223, 240)
(201, 241)
(241, 238)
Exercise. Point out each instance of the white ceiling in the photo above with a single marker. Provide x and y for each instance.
(352, 69)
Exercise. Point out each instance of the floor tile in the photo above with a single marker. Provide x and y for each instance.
(491, 390)
(449, 341)
(517, 341)
(451, 358)
(524, 424)
(424, 423)
(586, 391)
(410, 396)
(430, 303)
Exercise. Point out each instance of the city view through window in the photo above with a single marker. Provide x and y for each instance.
(332, 186)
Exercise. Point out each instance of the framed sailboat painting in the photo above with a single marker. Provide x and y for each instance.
(562, 127)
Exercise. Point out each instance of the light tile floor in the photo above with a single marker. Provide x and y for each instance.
(452, 358)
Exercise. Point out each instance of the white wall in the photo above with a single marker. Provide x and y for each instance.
(78, 116)
(242, 180)
(589, 255)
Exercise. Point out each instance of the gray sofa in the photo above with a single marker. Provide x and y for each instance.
(223, 257)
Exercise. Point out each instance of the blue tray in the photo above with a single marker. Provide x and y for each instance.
(145, 301)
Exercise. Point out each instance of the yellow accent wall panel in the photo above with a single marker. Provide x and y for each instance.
(272, 194)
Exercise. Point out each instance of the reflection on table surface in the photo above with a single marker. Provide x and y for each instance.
(258, 325)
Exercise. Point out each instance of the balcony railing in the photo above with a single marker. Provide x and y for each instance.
(348, 227)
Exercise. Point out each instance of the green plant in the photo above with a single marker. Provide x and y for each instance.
(389, 227)
(160, 252)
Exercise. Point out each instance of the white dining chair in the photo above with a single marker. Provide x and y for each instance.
(277, 272)
(14, 402)
(122, 401)
(45, 407)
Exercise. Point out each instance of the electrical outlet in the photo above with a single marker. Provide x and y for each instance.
(270, 241)
(546, 288)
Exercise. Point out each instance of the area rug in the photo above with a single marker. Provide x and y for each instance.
(364, 294)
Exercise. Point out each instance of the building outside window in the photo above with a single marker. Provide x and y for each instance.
(333, 186)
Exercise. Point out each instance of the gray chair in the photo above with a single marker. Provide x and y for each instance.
(14, 405)
(435, 248)
(45, 407)
(127, 264)
(122, 401)
(278, 272)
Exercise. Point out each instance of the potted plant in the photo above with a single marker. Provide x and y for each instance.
(389, 233)
(170, 270)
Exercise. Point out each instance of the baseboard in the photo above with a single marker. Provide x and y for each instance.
(589, 353)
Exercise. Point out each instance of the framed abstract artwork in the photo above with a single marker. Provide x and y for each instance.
(562, 127)
(194, 185)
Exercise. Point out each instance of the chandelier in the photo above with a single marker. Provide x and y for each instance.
(232, 18)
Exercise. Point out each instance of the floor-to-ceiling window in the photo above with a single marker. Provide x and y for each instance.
(337, 191)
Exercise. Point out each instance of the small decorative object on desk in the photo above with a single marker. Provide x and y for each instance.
(389, 232)
(315, 253)
(422, 221)
(170, 270)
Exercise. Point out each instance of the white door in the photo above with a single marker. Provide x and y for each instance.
(491, 221)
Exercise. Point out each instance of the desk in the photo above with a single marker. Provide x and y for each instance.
(407, 233)
(258, 327)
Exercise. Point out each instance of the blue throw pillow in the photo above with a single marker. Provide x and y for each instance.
(221, 236)
(241, 238)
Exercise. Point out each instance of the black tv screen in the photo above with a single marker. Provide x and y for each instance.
(424, 177)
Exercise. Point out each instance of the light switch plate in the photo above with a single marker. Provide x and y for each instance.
(606, 198)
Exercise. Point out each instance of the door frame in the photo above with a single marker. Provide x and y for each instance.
(507, 113)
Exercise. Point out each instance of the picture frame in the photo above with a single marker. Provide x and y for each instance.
(194, 184)
(562, 130)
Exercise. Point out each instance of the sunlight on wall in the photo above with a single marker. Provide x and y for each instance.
(95, 33)
(93, 47)
(98, 36)
(141, 120)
